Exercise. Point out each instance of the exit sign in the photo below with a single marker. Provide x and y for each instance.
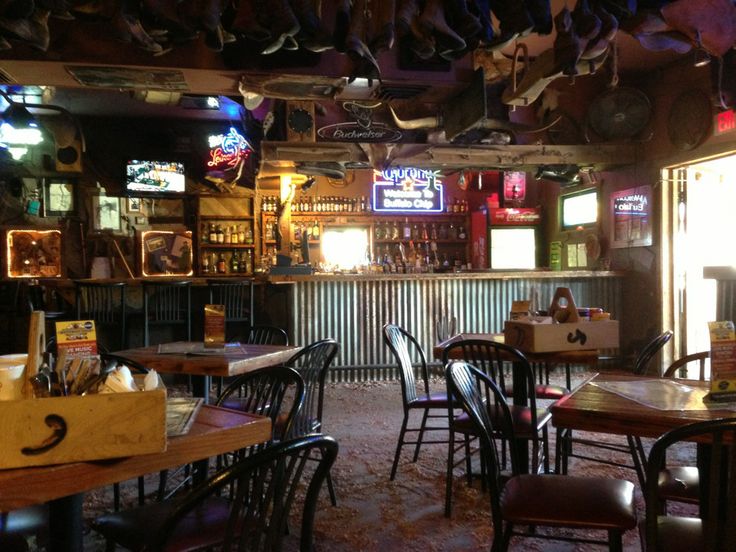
(725, 122)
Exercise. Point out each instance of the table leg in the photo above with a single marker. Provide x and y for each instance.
(65, 524)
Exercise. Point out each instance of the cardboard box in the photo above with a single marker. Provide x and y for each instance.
(56, 430)
(576, 336)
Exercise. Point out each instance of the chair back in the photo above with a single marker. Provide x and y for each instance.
(401, 343)
(700, 358)
(263, 391)
(265, 335)
(717, 483)
(104, 303)
(167, 303)
(312, 363)
(236, 295)
(470, 387)
(266, 484)
(650, 349)
(111, 361)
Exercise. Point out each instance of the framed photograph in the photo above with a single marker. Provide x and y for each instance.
(631, 217)
(135, 205)
(58, 197)
(106, 213)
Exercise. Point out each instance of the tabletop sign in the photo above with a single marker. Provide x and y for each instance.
(77, 337)
(227, 150)
(722, 360)
(407, 190)
(214, 326)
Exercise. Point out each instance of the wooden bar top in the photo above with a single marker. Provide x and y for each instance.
(215, 431)
(236, 361)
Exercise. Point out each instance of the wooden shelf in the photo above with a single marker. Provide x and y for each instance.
(227, 246)
(419, 240)
(225, 217)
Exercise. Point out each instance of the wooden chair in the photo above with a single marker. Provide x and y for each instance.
(682, 483)
(312, 363)
(104, 302)
(254, 518)
(167, 304)
(16, 526)
(715, 529)
(530, 421)
(633, 446)
(406, 349)
(535, 499)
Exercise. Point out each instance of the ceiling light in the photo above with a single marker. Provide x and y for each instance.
(701, 58)
(18, 127)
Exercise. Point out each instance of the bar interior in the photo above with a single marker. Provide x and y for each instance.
(225, 222)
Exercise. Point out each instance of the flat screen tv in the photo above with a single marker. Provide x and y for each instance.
(154, 177)
(579, 209)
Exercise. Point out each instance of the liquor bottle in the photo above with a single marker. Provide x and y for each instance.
(415, 231)
(221, 266)
(425, 233)
(407, 230)
(443, 232)
(226, 239)
(433, 232)
(220, 234)
(234, 266)
(248, 235)
(461, 233)
(315, 230)
(234, 236)
(452, 232)
(213, 233)
(378, 231)
(205, 264)
(248, 263)
(395, 231)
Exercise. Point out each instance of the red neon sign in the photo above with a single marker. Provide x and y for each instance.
(725, 122)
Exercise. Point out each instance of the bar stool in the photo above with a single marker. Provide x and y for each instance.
(166, 303)
(104, 302)
(237, 296)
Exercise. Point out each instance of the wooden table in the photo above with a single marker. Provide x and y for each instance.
(215, 431)
(236, 361)
(586, 356)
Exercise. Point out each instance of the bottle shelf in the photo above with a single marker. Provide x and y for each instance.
(226, 217)
(227, 246)
(419, 240)
(273, 242)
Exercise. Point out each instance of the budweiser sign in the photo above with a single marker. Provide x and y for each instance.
(354, 132)
(526, 215)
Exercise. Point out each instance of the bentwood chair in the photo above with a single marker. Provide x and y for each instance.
(633, 447)
(312, 363)
(167, 304)
(715, 529)
(104, 302)
(682, 483)
(407, 350)
(237, 296)
(16, 526)
(530, 421)
(254, 518)
(523, 499)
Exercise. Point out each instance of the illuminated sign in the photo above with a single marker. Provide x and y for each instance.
(227, 150)
(725, 122)
(407, 190)
(525, 215)
(514, 185)
(631, 217)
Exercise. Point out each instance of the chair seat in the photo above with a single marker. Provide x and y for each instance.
(679, 534)
(566, 501)
(543, 391)
(433, 400)
(680, 483)
(202, 527)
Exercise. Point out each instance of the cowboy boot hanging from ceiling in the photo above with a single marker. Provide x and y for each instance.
(246, 23)
(312, 35)
(127, 24)
(166, 14)
(33, 30)
(366, 65)
(342, 24)
(432, 21)
(279, 18)
(382, 26)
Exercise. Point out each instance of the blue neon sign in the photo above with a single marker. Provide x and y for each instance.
(407, 190)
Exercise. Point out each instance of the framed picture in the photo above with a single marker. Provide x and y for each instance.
(631, 217)
(106, 213)
(135, 205)
(58, 197)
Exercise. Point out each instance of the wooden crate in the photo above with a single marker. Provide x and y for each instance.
(576, 336)
(57, 430)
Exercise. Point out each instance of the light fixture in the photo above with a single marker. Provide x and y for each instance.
(701, 58)
(308, 183)
(18, 129)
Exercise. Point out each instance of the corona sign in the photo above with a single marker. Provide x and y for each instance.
(407, 190)
(228, 150)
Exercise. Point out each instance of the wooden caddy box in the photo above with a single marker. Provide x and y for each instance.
(56, 430)
(575, 336)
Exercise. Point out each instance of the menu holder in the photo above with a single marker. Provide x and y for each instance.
(214, 325)
(722, 361)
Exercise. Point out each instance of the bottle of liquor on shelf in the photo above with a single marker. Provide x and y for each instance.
(221, 266)
(234, 265)
(205, 263)
(443, 232)
(226, 239)
(234, 236)
(220, 234)
(407, 230)
(378, 232)
(246, 263)
(425, 232)
(395, 231)
(247, 234)
(433, 232)
(212, 233)
(461, 235)
(415, 232)
(315, 230)
(452, 232)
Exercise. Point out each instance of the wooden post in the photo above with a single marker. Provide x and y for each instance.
(36, 348)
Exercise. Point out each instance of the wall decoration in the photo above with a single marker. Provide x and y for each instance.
(106, 213)
(58, 197)
(631, 217)
(228, 150)
(135, 205)
(166, 253)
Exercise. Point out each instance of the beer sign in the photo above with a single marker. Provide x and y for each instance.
(227, 150)
(407, 190)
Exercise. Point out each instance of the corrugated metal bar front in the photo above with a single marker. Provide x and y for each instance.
(354, 311)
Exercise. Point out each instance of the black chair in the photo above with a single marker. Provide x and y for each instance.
(104, 303)
(255, 518)
(535, 499)
(16, 526)
(237, 296)
(312, 363)
(682, 483)
(715, 529)
(633, 446)
(530, 421)
(167, 304)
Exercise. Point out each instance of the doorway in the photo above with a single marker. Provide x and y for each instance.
(702, 196)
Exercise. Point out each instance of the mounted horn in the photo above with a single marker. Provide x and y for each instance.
(416, 124)
(499, 124)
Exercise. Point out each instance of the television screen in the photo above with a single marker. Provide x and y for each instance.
(159, 177)
(580, 209)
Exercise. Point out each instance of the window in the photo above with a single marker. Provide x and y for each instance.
(579, 209)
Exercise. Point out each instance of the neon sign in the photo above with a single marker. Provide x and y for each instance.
(227, 150)
(725, 122)
(407, 190)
